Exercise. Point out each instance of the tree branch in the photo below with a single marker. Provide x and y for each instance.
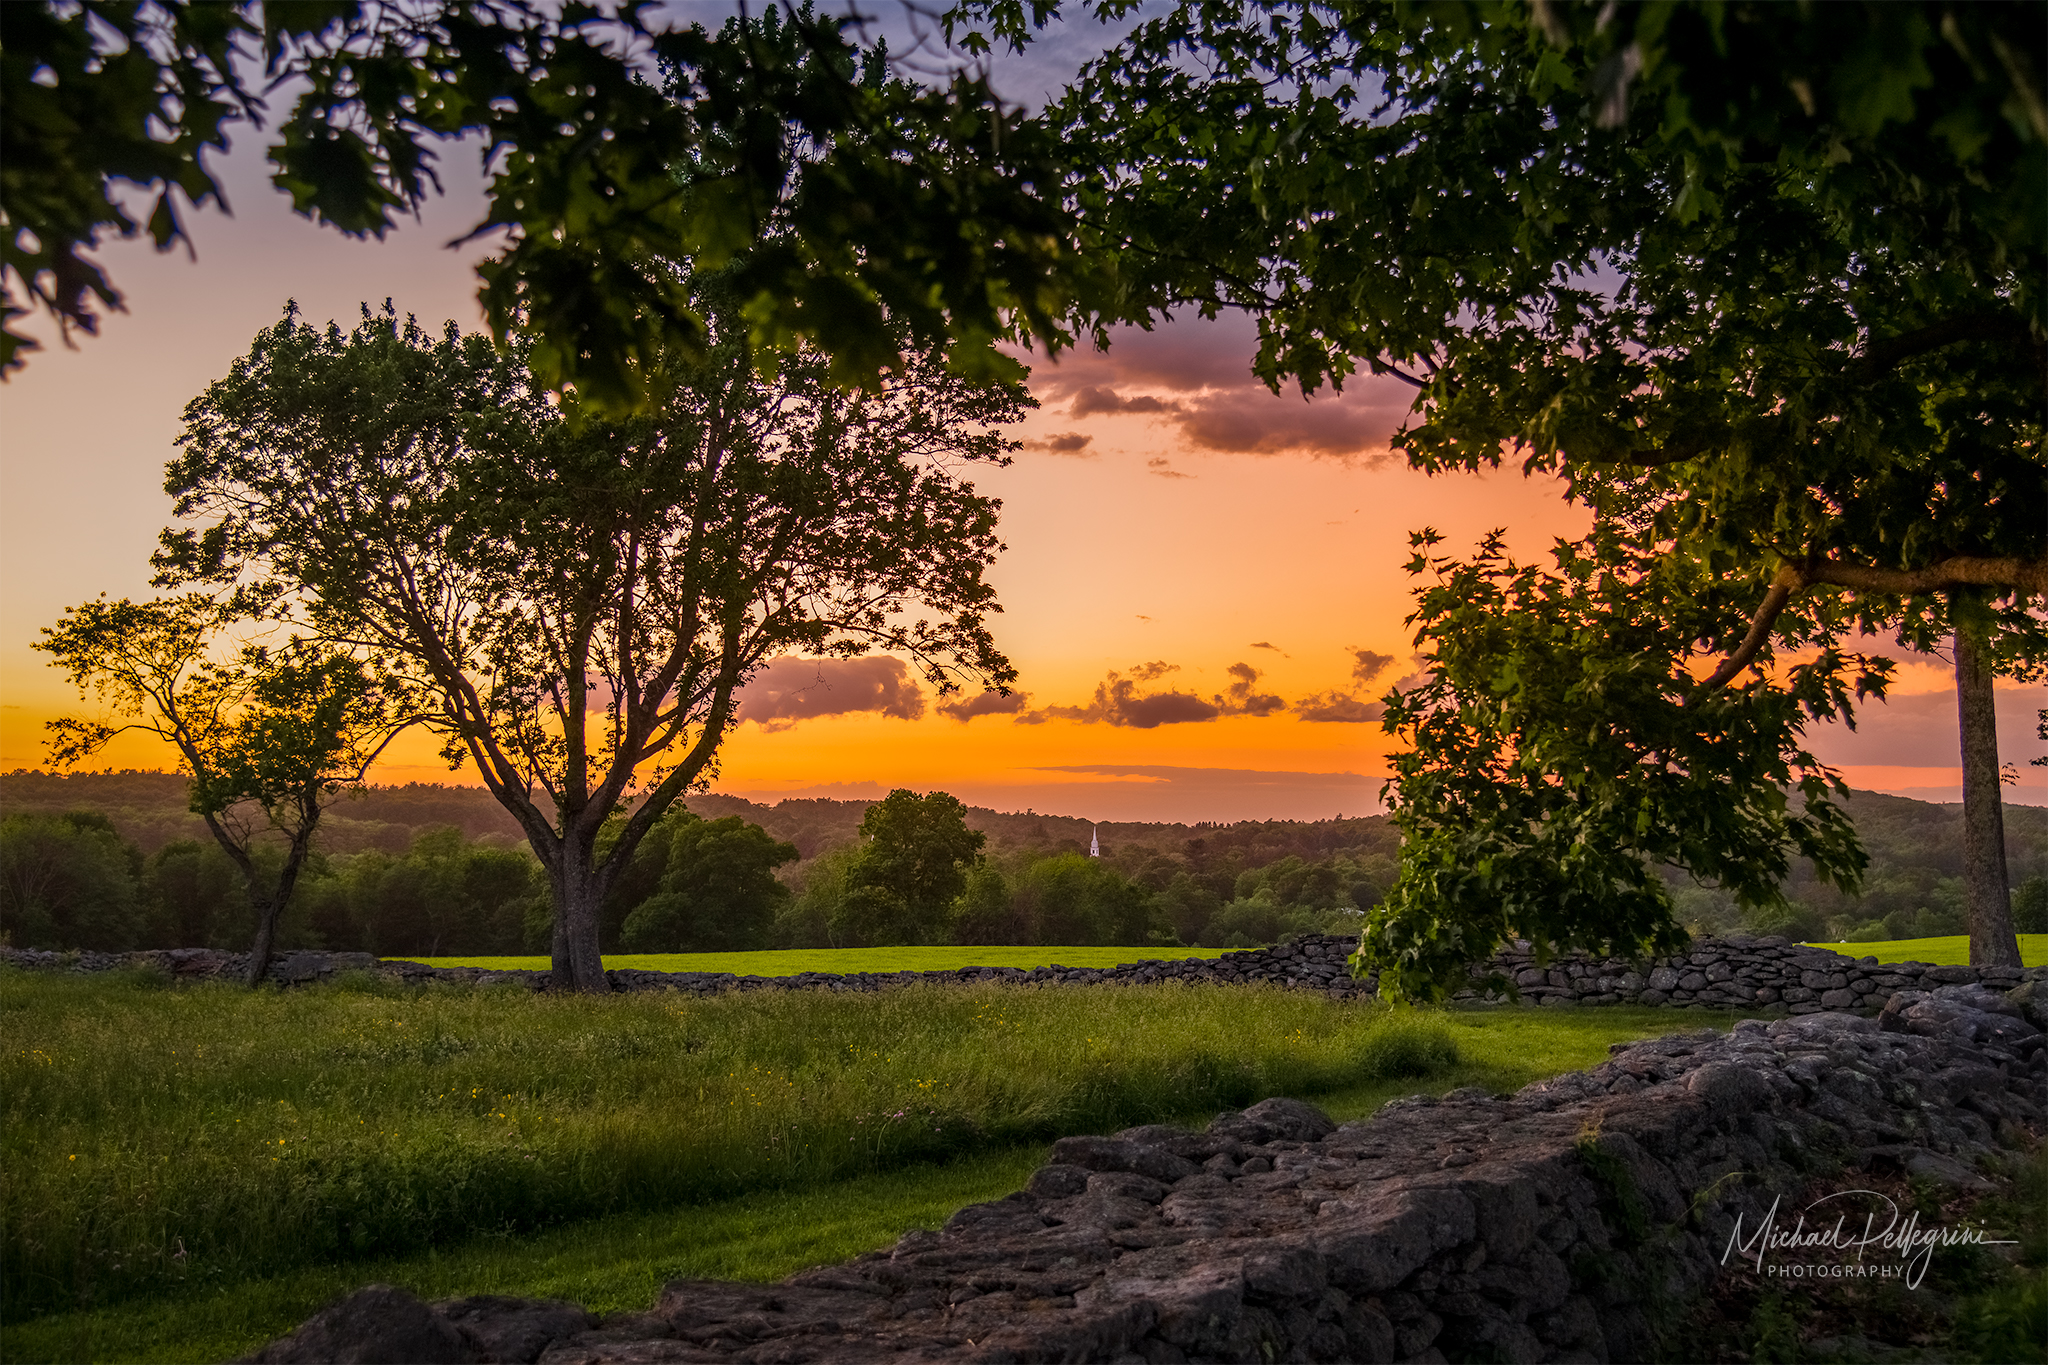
(1789, 580)
(1880, 356)
(2029, 577)
(2025, 576)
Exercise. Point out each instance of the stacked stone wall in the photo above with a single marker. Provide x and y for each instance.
(1767, 975)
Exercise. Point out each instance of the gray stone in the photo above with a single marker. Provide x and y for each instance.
(377, 1325)
(515, 1330)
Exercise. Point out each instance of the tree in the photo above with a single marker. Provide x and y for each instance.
(718, 892)
(271, 738)
(67, 881)
(1072, 898)
(914, 860)
(888, 203)
(582, 597)
(1762, 285)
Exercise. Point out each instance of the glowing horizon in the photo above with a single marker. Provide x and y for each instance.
(1169, 521)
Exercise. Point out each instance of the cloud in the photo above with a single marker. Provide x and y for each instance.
(1265, 644)
(987, 704)
(1096, 399)
(1196, 376)
(1339, 707)
(1118, 701)
(1342, 707)
(787, 690)
(1368, 663)
(1239, 699)
(1164, 468)
(1065, 443)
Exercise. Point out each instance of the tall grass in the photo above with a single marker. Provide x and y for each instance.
(154, 1135)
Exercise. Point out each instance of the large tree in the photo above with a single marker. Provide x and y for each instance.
(583, 597)
(271, 736)
(1762, 284)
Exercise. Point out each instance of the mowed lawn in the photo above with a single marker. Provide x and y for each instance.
(1950, 951)
(188, 1170)
(845, 961)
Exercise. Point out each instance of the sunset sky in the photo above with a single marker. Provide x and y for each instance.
(1168, 522)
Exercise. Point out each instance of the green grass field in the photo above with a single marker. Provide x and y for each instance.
(844, 961)
(1950, 951)
(188, 1170)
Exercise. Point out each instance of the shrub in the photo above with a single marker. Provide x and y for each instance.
(1407, 1050)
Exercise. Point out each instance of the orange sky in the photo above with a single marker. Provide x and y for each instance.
(1202, 523)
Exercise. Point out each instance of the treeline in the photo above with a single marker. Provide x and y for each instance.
(71, 881)
(441, 877)
(1913, 887)
(906, 870)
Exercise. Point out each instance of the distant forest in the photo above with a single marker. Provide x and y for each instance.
(116, 860)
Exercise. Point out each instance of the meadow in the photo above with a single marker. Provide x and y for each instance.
(228, 1160)
(1953, 950)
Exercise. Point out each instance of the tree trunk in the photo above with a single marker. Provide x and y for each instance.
(578, 965)
(1986, 890)
(269, 909)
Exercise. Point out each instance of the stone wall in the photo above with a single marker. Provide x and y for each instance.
(1573, 1221)
(1741, 973)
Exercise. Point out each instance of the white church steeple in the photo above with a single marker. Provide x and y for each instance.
(1094, 844)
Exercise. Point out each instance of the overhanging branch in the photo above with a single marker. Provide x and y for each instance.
(2028, 577)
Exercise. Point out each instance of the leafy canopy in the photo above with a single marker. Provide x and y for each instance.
(619, 146)
(1761, 284)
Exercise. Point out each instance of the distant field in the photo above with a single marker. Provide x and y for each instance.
(1952, 951)
(790, 961)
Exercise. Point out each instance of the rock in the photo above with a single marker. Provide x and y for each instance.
(2031, 999)
(507, 1330)
(379, 1325)
(1945, 1170)
(1114, 1154)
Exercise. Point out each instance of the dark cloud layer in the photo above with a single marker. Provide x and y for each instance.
(787, 690)
(1065, 443)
